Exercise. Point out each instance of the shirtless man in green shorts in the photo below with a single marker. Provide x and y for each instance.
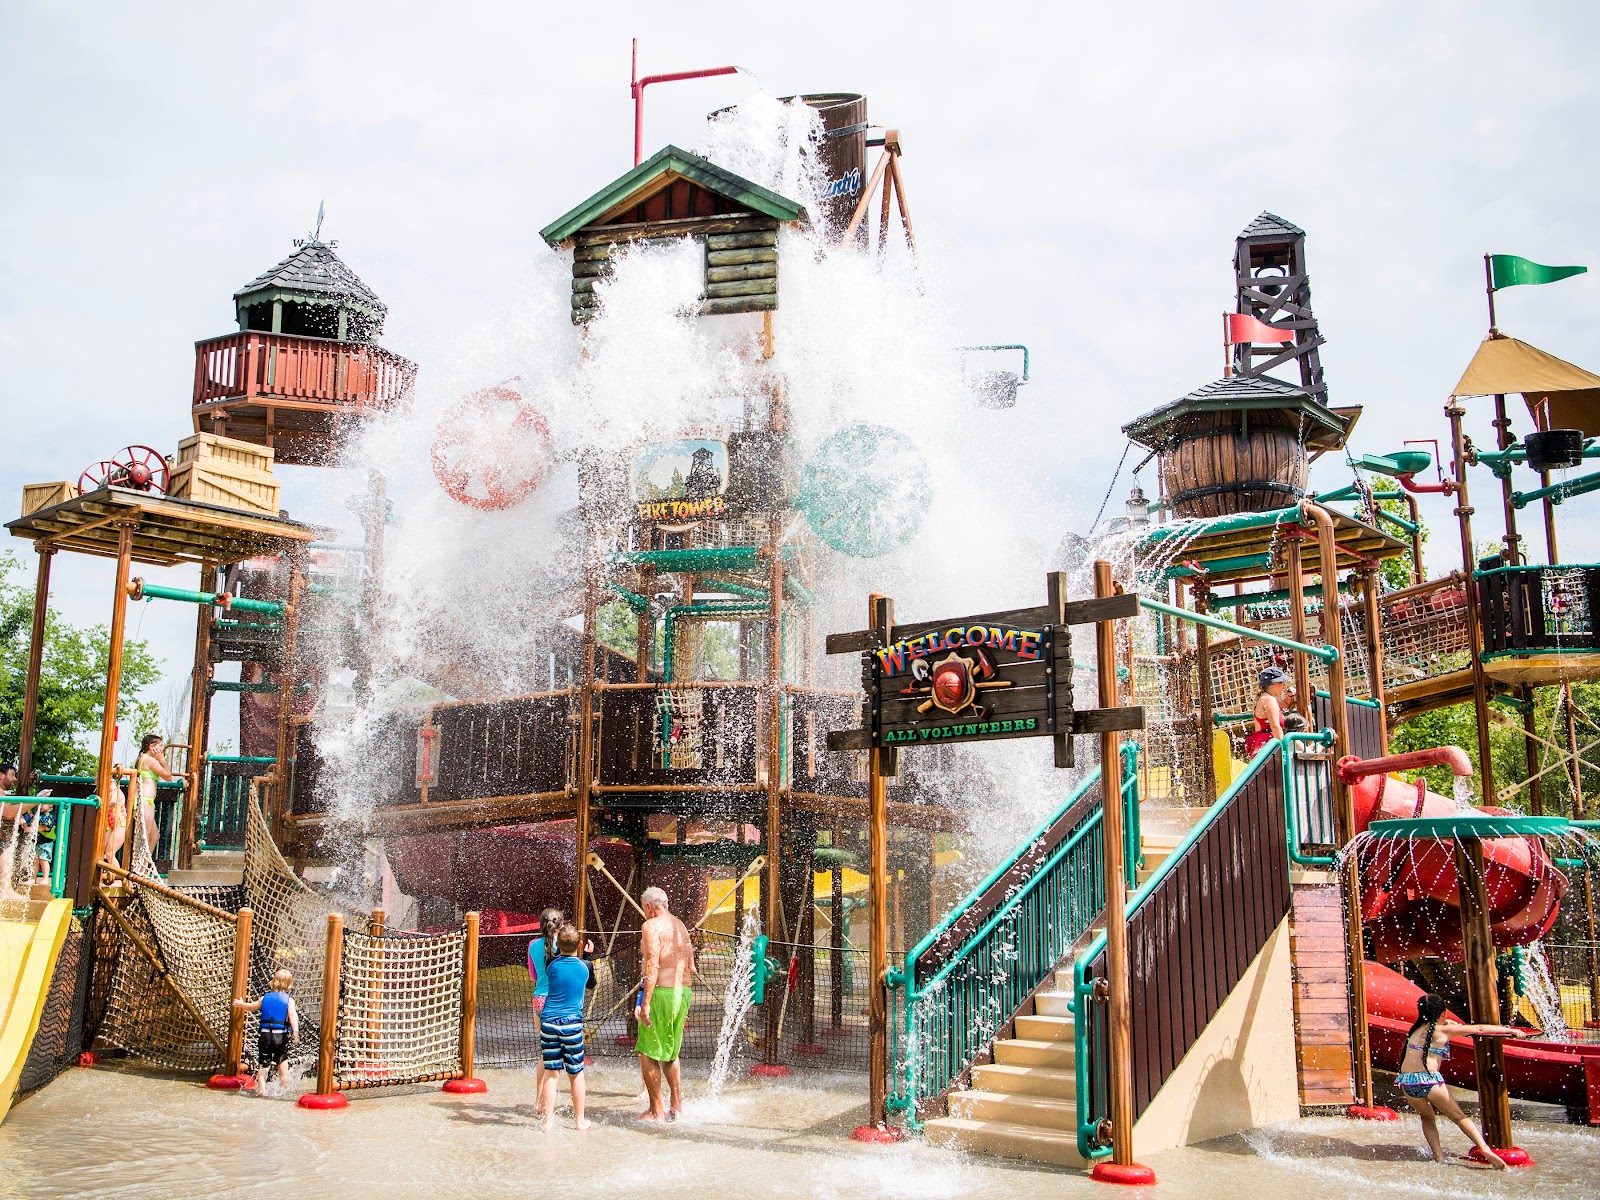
(663, 1004)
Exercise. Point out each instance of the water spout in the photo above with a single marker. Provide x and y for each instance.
(1352, 768)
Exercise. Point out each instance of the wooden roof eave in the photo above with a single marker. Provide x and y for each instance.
(642, 180)
(1330, 421)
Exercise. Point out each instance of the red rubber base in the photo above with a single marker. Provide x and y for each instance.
(1129, 1174)
(465, 1087)
(230, 1083)
(1512, 1156)
(840, 1032)
(810, 1048)
(1378, 1112)
(324, 1102)
(88, 1059)
(624, 1040)
(880, 1135)
(769, 1070)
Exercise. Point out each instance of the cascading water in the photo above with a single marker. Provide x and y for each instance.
(1540, 991)
(736, 1006)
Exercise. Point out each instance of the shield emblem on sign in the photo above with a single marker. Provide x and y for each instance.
(953, 685)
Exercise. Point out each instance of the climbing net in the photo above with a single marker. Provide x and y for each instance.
(399, 1008)
(679, 733)
(59, 1039)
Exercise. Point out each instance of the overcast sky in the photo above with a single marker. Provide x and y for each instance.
(1077, 173)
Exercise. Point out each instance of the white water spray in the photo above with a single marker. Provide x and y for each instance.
(735, 1006)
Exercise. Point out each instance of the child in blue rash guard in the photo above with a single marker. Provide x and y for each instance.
(280, 1028)
(561, 1025)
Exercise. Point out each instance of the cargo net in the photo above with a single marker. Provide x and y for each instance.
(821, 1003)
(59, 1039)
(163, 981)
(399, 1009)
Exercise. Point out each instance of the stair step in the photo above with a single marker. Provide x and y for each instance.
(1044, 1027)
(1016, 1079)
(1044, 1112)
(1033, 1052)
(1032, 1143)
(1057, 1003)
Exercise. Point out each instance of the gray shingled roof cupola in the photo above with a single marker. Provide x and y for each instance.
(312, 293)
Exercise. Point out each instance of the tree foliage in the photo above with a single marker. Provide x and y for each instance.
(72, 681)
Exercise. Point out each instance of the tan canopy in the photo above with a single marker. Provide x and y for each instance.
(1559, 395)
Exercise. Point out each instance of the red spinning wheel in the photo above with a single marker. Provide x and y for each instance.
(136, 467)
(492, 449)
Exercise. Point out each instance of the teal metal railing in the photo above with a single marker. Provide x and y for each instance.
(226, 799)
(974, 970)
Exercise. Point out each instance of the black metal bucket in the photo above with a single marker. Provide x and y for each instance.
(1554, 449)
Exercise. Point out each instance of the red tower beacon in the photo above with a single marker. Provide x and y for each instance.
(305, 365)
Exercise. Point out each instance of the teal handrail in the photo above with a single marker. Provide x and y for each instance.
(1363, 701)
(1083, 989)
(1326, 653)
(1291, 816)
(1132, 834)
(948, 1018)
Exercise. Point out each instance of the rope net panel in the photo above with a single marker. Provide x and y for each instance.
(399, 1008)
(59, 1039)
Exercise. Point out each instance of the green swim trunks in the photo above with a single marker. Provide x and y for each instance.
(663, 1037)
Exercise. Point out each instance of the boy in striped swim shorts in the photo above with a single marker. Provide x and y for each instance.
(561, 1026)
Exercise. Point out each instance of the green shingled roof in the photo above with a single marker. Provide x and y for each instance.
(672, 160)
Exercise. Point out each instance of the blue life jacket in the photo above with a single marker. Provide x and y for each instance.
(275, 1011)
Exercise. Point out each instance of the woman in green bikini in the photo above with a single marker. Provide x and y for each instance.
(150, 769)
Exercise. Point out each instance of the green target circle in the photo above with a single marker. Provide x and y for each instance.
(865, 491)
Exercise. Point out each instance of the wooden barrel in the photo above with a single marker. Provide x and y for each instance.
(1212, 469)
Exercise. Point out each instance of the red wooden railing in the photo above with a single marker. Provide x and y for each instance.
(241, 366)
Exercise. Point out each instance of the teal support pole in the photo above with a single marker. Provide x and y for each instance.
(1326, 653)
(633, 600)
(156, 591)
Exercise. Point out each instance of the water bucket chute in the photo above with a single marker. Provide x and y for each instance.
(492, 449)
(865, 491)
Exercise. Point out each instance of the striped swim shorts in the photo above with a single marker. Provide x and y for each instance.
(561, 1044)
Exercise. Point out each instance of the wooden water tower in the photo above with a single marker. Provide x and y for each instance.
(1243, 442)
(305, 365)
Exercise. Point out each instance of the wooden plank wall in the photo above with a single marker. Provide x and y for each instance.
(1321, 996)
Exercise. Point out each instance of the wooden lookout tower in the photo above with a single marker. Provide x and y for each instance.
(305, 364)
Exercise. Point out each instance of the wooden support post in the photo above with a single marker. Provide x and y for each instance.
(1530, 749)
(199, 706)
(1483, 1004)
(1504, 441)
(880, 614)
(586, 748)
(377, 921)
(1374, 624)
(1202, 643)
(1343, 810)
(287, 676)
(468, 1084)
(1469, 563)
(30, 694)
(1119, 1017)
(836, 948)
(772, 694)
(108, 720)
(325, 1097)
(233, 1077)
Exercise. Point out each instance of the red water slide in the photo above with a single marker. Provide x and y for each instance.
(1409, 901)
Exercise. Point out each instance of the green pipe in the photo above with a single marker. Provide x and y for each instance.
(1501, 460)
(1272, 597)
(1326, 653)
(797, 588)
(235, 758)
(1557, 492)
(1219, 566)
(1230, 524)
(1363, 702)
(727, 558)
(156, 591)
(731, 608)
(1221, 719)
(1534, 567)
(632, 599)
(734, 589)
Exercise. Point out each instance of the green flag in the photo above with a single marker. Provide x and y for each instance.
(1507, 270)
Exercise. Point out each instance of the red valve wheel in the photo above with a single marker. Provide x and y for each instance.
(140, 468)
(492, 449)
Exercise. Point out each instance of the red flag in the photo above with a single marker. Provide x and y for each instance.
(1241, 327)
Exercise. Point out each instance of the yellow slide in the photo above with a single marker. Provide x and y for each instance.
(28, 950)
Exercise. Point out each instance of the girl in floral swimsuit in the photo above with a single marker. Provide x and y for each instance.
(1419, 1081)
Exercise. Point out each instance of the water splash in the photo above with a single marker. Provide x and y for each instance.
(1464, 795)
(1540, 990)
(736, 1006)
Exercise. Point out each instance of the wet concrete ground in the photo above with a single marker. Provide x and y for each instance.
(111, 1132)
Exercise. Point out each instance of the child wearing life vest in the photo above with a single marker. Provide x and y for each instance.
(280, 1029)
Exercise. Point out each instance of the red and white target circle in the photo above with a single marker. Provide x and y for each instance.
(492, 449)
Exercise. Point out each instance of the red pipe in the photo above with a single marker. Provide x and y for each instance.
(1352, 768)
(1444, 487)
(638, 85)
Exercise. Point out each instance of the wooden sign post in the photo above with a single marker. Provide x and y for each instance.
(968, 679)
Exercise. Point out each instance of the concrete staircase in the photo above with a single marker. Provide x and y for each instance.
(210, 867)
(1024, 1103)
